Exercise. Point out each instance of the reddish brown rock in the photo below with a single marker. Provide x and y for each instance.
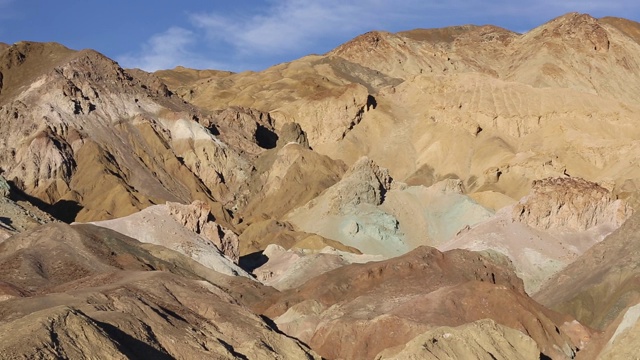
(362, 309)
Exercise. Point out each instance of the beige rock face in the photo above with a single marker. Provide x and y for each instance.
(197, 218)
(188, 229)
(5, 189)
(570, 204)
(548, 229)
(288, 177)
(482, 339)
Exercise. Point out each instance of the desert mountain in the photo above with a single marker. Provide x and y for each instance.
(493, 108)
(89, 138)
(433, 193)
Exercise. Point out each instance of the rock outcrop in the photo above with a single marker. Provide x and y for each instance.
(364, 183)
(197, 218)
(247, 129)
(482, 339)
(548, 229)
(292, 132)
(348, 211)
(188, 229)
(570, 204)
(5, 189)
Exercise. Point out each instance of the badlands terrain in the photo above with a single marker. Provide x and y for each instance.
(457, 193)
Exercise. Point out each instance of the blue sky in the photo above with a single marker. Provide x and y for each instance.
(252, 35)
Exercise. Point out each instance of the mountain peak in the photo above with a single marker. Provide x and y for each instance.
(574, 27)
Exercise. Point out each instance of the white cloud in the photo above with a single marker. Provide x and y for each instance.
(287, 26)
(167, 50)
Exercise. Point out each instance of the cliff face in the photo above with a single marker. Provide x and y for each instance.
(76, 121)
(570, 204)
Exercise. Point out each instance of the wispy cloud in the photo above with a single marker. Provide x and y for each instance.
(288, 26)
(167, 50)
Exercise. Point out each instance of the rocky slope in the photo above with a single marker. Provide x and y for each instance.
(359, 310)
(548, 229)
(102, 294)
(599, 285)
(76, 122)
(491, 107)
(188, 229)
(16, 213)
(600, 290)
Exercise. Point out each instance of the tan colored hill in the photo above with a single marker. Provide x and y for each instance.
(102, 294)
(482, 339)
(491, 107)
(181, 76)
(288, 176)
(81, 123)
